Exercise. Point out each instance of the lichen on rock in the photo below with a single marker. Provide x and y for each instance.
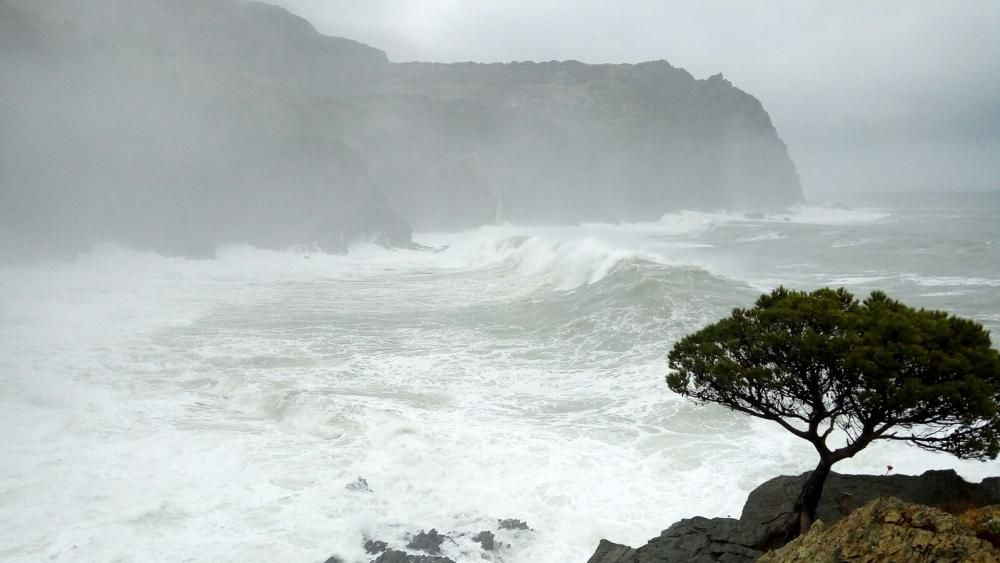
(887, 529)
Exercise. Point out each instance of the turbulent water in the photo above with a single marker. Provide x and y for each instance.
(173, 410)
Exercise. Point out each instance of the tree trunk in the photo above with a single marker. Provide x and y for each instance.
(812, 491)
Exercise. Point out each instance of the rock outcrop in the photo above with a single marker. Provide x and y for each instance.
(698, 540)
(728, 540)
(843, 493)
(888, 529)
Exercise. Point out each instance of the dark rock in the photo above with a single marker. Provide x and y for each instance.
(727, 540)
(395, 556)
(698, 540)
(392, 556)
(360, 485)
(427, 541)
(843, 493)
(610, 552)
(372, 547)
(513, 524)
(486, 539)
(334, 559)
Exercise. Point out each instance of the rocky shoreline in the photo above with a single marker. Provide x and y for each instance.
(730, 540)
(425, 546)
(937, 509)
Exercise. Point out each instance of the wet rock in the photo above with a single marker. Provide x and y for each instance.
(360, 485)
(888, 529)
(485, 539)
(427, 541)
(395, 556)
(334, 559)
(513, 524)
(372, 547)
(608, 552)
(392, 556)
(698, 540)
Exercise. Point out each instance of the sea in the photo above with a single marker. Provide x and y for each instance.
(166, 409)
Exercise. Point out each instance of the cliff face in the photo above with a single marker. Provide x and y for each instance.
(566, 141)
(178, 124)
(171, 141)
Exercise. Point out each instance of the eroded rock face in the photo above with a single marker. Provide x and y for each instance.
(888, 529)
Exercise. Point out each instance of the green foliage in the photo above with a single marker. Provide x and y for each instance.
(875, 369)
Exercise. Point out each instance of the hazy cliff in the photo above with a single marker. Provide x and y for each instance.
(566, 141)
(176, 125)
(106, 137)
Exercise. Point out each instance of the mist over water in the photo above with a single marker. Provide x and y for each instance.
(216, 409)
(243, 265)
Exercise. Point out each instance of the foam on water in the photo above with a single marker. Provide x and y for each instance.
(215, 410)
(820, 215)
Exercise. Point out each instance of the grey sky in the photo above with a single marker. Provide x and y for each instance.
(868, 95)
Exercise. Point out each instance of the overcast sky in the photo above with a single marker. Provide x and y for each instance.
(868, 95)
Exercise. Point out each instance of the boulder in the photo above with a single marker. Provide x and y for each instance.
(889, 529)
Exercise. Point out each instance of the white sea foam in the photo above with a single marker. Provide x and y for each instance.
(762, 237)
(215, 410)
(949, 281)
(818, 215)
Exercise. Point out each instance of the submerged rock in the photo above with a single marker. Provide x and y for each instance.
(372, 547)
(513, 524)
(485, 539)
(888, 529)
(395, 556)
(360, 484)
(427, 541)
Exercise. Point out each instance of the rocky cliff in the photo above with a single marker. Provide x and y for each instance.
(109, 133)
(178, 124)
(566, 141)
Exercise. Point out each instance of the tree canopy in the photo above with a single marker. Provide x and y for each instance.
(815, 362)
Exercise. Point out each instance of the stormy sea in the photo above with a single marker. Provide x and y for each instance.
(156, 408)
